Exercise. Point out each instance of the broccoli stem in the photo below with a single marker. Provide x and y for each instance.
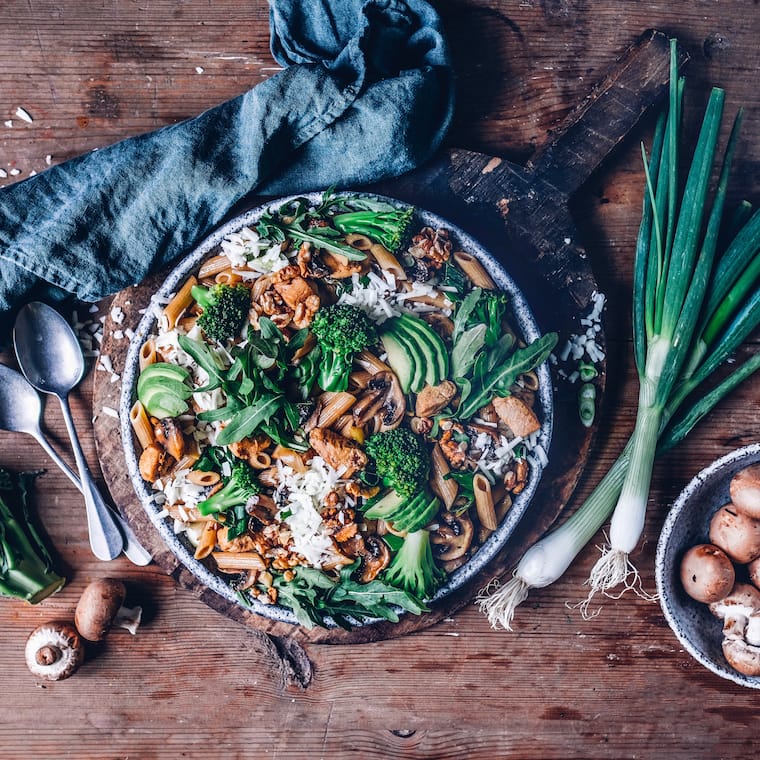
(387, 227)
(413, 569)
(334, 372)
(241, 486)
(24, 571)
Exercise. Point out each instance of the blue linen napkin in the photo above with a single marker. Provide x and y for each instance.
(367, 93)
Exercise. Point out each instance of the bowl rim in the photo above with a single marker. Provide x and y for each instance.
(711, 472)
(521, 316)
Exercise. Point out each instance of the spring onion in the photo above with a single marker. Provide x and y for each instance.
(692, 310)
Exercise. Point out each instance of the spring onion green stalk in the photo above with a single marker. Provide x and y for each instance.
(692, 310)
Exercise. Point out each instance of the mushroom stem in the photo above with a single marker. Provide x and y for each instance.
(128, 618)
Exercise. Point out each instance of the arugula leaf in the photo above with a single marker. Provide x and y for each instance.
(205, 358)
(463, 312)
(497, 375)
(465, 350)
(245, 422)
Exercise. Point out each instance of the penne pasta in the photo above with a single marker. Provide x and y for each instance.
(484, 503)
(474, 270)
(207, 540)
(386, 260)
(182, 300)
(213, 266)
(289, 457)
(147, 354)
(239, 561)
(201, 478)
(360, 242)
(446, 489)
(369, 362)
(141, 425)
(333, 406)
(227, 278)
(260, 460)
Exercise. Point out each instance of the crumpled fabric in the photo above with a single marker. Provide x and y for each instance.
(367, 93)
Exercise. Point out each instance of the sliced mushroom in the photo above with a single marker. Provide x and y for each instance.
(740, 612)
(394, 404)
(440, 323)
(518, 417)
(375, 558)
(432, 398)
(54, 650)
(341, 268)
(383, 400)
(169, 434)
(452, 539)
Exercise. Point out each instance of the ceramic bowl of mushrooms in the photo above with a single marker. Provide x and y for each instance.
(708, 567)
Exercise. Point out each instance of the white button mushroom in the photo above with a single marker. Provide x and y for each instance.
(740, 612)
(736, 533)
(100, 608)
(745, 491)
(707, 573)
(54, 650)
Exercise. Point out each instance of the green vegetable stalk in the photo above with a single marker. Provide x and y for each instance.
(25, 564)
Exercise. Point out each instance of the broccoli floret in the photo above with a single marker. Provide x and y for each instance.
(413, 568)
(225, 308)
(388, 228)
(241, 486)
(401, 458)
(341, 331)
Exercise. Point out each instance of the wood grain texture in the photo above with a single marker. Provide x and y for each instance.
(618, 686)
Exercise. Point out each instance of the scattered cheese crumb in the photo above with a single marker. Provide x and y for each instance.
(15, 172)
(3, 173)
(111, 412)
(8, 123)
(199, 69)
(24, 115)
(48, 159)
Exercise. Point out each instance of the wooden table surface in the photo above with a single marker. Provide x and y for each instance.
(192, 683)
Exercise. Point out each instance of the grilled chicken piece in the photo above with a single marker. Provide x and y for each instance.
(433, 398)
(337, 451)
(518, 417)
(154, 462)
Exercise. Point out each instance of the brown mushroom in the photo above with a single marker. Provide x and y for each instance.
(740, 612)
(376, 556)
(745, 491)
(736, 533)
(453, 537)
(54, 650)
(753, 569)
(383, 400)
(707, 573)
(100, 608)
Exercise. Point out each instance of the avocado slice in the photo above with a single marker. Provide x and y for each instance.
(409, 509)
(400, 359)
(160, 371)
(386, 506)
(430, 345)
(414, 522)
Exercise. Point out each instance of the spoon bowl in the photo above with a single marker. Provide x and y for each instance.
(52, 359)
(49, 355)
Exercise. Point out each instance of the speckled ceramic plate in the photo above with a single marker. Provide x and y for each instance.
(521, 317)
(688, 524)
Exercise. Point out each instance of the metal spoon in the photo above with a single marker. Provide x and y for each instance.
(20, 412)
(49, 355)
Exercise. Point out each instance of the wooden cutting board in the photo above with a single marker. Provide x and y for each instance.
(521, 215)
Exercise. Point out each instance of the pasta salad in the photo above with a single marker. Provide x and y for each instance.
(335, 410)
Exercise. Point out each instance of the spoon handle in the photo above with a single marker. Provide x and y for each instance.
(106, 541)
(133, 549)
